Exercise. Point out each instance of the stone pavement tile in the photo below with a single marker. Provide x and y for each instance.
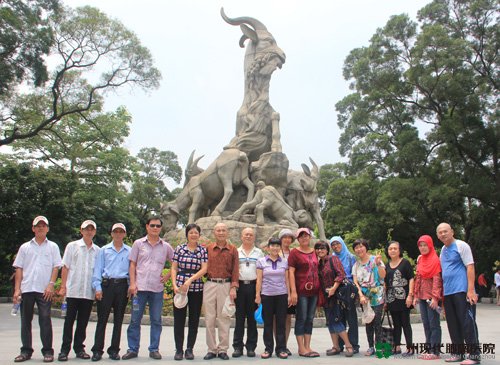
(488, 316)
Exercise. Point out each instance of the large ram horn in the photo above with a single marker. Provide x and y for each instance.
(248, 33)
(190, 160)
(257, 25)
(315, 169)
(306, 170)
(195, 163)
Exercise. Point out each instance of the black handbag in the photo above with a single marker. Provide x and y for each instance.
(346, 293)
(387, 332)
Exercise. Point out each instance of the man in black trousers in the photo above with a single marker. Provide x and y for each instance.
(110, 281)
(245, 301)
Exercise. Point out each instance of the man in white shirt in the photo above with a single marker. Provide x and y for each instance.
(37, 265)
(76, 284)
(245, 301)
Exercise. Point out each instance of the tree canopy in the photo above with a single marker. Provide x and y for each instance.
(93, 55)
(420, 127)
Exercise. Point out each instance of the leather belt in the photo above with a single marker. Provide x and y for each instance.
(247, 282)
(115, 281)
(220, 281)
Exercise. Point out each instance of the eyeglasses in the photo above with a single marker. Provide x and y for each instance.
(320, 248)
(155, 225)
(335, 243)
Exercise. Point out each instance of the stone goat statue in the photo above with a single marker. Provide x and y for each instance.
(257, 123)
(212, 186)
(302, 193)
(268, 199)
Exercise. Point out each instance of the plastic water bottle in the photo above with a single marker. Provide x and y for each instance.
(64, 308)
(438, 308)
(135, 303)
(15, 309)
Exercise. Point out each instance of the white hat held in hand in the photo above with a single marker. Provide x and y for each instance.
(229, 308)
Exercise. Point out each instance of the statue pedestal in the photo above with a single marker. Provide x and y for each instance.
(207, 224)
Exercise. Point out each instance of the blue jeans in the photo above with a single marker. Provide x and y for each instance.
(305, 310)
(334, 319)
(432, 326)
(155, 301)
(351, 319)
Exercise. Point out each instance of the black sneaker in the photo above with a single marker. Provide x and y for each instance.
(210, 356)
(188, 354)
(223, 356)
(250, 353)
(237, 353)
(129, 355)
(62, 357)
(96, 356)
(179, 355)
(114, 356)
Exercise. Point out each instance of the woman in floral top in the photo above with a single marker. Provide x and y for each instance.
(188, 267)
(368, 274)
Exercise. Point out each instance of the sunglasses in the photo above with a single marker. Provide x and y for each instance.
(155, 225)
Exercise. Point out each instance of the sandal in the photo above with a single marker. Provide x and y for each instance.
(265, 355)
(333, 351)
(48, 358)
(310, 354)
(349, 351)
(283, 355)
(370, 351)
(22, 358)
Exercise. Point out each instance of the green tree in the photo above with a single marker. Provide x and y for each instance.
(441, 74)
(153, 169)
(85, 40)
(25, 39)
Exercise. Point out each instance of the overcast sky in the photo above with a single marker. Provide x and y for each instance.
(202, 68)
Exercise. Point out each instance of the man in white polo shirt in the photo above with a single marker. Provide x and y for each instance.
(76, 283)
(37, 265)
(245, 301)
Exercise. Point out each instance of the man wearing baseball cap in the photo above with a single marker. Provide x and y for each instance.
(76, 284)
(110, 282)
(37, 265)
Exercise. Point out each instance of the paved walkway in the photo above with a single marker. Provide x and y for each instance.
(488, 319)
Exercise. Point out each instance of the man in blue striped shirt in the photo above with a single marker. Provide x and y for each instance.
(110, 281)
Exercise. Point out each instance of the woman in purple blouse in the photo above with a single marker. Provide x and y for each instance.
(273, 291)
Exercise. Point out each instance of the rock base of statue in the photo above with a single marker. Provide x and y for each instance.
(207, 224)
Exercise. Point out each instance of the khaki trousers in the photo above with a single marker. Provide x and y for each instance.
(214, 296)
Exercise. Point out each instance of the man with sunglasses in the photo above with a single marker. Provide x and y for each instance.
(245, 301)
(147, 261)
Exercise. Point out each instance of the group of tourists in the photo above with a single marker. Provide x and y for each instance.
(226, 279)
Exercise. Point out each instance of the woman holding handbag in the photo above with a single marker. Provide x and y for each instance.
(304, 289)
(368, 274)
(399, 296)
(331, 276)
(429, 295)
